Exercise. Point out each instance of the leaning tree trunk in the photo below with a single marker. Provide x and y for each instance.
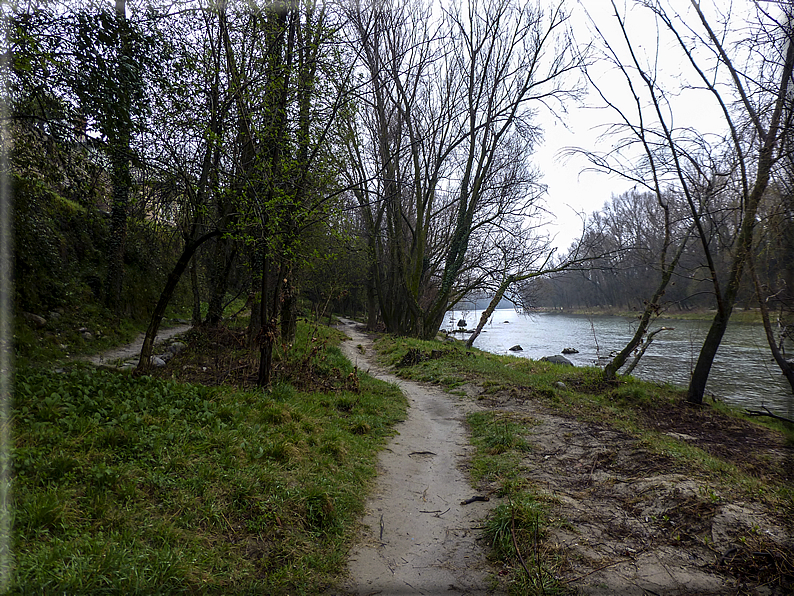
(611, 369)
(489, 311)
(145, 360)
(645, 345)
(785, 366)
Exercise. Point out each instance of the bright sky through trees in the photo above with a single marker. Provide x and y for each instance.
(572, 188)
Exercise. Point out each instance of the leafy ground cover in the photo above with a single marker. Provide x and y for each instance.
(155, 485)
(618, 486)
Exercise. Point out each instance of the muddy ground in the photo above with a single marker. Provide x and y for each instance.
(627, 520)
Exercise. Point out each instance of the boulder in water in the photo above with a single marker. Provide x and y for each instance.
(516, 348)
(557, 360)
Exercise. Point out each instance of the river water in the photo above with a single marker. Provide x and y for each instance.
(744, 373)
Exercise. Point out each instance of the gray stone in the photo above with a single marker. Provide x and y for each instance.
(557, 360)
(158, 362)
(516, 348)
(87, 335)
(34, 320)
(166, 356)
(176, 347)
(561, 385)
(570, 351)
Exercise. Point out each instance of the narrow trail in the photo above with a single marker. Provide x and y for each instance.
(133, 349)
(418, 537)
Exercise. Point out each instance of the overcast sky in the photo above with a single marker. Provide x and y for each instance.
(573, 190)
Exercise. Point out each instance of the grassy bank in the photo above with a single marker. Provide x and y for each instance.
(159, 485)
(153, 486)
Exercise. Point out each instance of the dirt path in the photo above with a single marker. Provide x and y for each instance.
(625, 520)
(418, 538)
(133, 350)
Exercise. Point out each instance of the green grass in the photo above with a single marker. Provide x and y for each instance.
(520, 522)
(147, 486)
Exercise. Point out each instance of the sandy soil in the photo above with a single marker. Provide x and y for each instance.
(629, 521)
(626, 521)
(418, 538)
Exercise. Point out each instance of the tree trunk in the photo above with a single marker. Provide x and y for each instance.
(224, 258)
(646, 344)
(289, 315)
(120, 178)
(195, 319)
(145, 360)
(744, 244)
(372, 300)
(785, 366)
(266, 335)
(611, 369)
(119, 144)
(489, 311)
(255, 322)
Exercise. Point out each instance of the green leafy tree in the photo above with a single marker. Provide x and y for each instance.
(112, 53)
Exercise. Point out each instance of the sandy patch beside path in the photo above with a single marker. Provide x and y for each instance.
(418, 538)
(631, 522)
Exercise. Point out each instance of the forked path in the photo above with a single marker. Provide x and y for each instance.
(418, 537)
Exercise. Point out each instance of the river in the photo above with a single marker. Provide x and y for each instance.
(744, 373)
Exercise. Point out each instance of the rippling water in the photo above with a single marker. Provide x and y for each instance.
(743, 373)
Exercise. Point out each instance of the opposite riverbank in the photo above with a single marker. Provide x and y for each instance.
(744, 315)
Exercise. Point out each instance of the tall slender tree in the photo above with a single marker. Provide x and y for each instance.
(445, 113)
(752, 105)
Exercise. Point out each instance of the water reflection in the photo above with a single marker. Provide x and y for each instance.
(743, 374)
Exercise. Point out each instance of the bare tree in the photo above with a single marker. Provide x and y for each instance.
(438, 162)
(752, 104)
